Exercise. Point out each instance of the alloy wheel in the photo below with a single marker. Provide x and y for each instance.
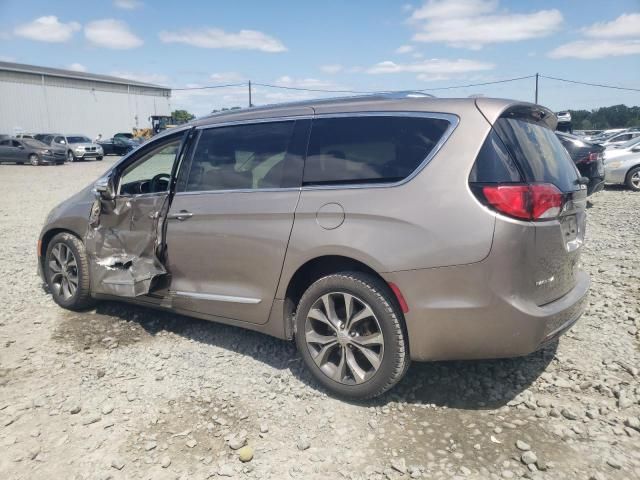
(63, 271)
(635, 180)
(70, 157)
(33, 159)
(344, 338)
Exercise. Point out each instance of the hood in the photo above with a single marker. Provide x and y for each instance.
(84, 145)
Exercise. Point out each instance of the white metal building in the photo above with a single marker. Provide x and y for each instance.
(49, 100)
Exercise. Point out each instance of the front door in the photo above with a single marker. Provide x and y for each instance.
(124, 238)
(231, 217)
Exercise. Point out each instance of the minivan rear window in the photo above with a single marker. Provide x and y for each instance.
(538, 152)
(369, 149)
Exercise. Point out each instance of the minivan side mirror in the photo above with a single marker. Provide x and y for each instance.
(104, 188)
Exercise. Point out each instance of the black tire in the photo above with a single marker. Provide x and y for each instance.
(395, 359)
(71, 157)
(34, 160)
(81, 298)
(98, 158)
(631, 180)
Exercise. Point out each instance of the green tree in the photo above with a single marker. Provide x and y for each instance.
(181, 116)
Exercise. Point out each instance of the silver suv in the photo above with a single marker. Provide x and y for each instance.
(78, 147)
(373, 231)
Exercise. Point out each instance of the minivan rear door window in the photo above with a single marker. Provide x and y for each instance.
(369, 149)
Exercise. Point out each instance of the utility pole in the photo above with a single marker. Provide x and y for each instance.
(251, 105)
(537, 75)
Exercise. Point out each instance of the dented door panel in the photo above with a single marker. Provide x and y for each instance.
(122, 241)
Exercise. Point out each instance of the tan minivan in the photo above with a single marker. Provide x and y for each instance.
(372, 230)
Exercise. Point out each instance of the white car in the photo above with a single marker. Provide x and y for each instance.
(622, 165)
(620, 138)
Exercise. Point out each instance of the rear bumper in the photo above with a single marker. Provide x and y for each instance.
(458, 313)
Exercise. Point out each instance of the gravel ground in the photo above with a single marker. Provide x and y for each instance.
(124, 392)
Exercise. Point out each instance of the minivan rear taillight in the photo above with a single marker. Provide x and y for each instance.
(539, 201)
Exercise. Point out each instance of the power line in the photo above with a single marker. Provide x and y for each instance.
(592, 84)
(476, 84)
(212, 86)
(314, 89)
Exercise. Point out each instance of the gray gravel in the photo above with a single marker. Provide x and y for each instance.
(124, 392)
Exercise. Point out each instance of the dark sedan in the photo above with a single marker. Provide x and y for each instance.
(588, 158)
(23, 150)
(118, 145)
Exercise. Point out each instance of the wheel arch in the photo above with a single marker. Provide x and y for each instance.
(626, 175)
(46, 237)
(314, 269)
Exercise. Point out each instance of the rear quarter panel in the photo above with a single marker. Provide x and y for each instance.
(432, 220)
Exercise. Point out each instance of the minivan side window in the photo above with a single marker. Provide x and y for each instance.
(369, 149)
(242, 157)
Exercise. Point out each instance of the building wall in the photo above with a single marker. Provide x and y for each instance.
(33, 103)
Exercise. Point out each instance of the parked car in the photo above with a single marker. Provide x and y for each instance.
(395, 229)
(78, 147)
(26, 135)
(603, 136)
(118, 145)
(621, 138)
(622, 165)
(564, 122)
(28, 150)
(588, 158)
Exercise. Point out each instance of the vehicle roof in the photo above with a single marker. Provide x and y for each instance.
(491, 107)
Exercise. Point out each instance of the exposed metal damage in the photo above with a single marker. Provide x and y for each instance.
(122, 241)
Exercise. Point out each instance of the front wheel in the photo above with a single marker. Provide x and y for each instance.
(98, 158)
(70, 157)
(633, 179)
(34, 160)
(351, 335)
(66, 268)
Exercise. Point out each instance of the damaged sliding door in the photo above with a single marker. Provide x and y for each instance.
(125, 234)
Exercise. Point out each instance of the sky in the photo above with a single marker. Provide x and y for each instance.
(352, 45)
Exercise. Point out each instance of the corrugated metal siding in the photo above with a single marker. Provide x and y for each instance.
(29, 103)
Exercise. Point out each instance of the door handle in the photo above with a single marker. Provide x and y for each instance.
(181, 215)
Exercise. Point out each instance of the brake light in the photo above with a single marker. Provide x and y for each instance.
(592, 157)
(541, 201)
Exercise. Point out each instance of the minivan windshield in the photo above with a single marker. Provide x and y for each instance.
(538, 152)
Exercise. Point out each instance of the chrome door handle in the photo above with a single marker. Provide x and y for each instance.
(181, 215)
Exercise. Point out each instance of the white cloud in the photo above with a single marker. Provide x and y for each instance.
(453, 8)
(332, 69)
(287, 81)
(475, 23)
(626, 25)
(434, 68)
(591, 49)
(227, 77)
(110, 33)
(218, 38)
(47, 29)
(127, 4)
(155, 78)
(77, 67)
(405, 49)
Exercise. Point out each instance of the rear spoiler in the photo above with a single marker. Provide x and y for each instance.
(493, 109)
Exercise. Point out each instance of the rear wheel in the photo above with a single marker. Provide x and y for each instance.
(70, 156)
(633, 179)
(34, 160)
(351, 336)
(66, 269)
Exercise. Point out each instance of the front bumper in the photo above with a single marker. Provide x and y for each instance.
(455, 314)
(84, 155)
(51, 160)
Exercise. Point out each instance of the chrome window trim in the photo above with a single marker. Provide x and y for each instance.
(217, 298)
(453, 120)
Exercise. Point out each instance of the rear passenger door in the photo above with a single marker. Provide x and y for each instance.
(231, 218)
